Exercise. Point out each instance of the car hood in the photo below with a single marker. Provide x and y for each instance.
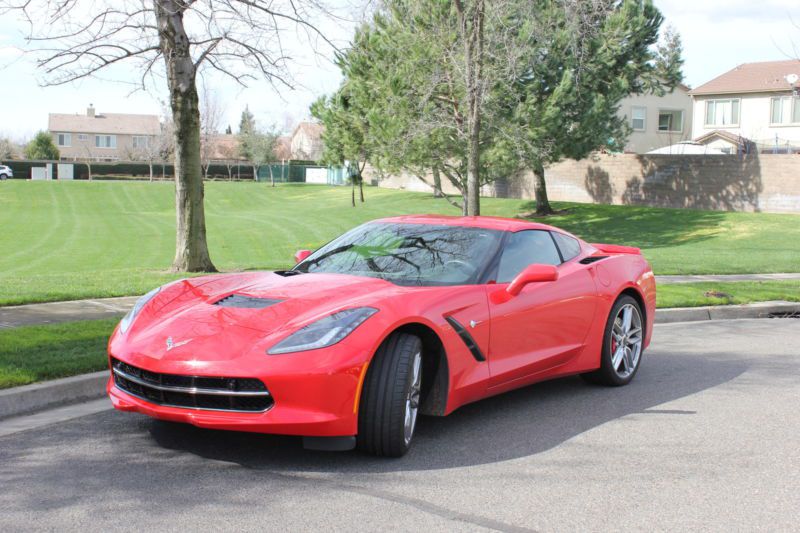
(188, 317)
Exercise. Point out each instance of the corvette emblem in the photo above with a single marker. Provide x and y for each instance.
(171, 345)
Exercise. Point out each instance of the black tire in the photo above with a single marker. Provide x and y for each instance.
(3, 176)
(606, 374)
(382, 409)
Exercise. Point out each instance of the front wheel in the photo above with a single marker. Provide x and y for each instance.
(623, 343)
(390, 399)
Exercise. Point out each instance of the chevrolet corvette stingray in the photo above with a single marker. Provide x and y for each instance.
(397, 317)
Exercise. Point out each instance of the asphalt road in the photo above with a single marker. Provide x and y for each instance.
(705, 438)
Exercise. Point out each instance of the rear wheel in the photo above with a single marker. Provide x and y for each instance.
(387, 416)
(623, 343)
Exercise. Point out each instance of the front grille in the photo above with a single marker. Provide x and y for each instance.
(192, 392)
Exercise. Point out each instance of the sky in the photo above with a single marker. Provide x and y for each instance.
(717, 36)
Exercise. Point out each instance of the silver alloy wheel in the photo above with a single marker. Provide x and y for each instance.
(412, 399)
(626, 340)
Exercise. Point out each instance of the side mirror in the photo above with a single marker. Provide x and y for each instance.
(301, 255)
(532, 274)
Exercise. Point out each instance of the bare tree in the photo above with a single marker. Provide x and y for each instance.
(164, 143)
(7, 150)
(210, 122)
(241, 39)
(230, 156)
(88, 157)
(148, 150)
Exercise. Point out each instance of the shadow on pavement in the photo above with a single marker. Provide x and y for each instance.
(517, 424)
(112, 461)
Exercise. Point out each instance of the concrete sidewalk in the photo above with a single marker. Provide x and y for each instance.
(671, 280)
(54, 312)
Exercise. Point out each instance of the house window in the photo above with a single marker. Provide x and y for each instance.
(638, 118)
(670, 120)
(140, 141)
(64, 139)
(82, 137)
(105, 141)
(722, 112)
(784, 110)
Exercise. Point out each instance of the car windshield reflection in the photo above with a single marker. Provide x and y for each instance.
(408, 254)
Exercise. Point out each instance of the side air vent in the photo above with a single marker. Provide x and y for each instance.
(592, 259)
(246, 302)
(474, 349)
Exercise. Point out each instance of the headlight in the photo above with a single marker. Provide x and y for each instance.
(324, 332)
(128, 319)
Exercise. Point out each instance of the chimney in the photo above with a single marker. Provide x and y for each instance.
(90, 111)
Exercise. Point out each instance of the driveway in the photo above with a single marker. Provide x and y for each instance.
(705, 438)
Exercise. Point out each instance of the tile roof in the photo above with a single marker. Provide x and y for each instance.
(113, 123)
(766, 76)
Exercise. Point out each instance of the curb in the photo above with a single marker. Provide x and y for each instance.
(48, 394)
(726, 312)
(56, 393)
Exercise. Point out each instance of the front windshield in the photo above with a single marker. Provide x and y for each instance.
(408, 254)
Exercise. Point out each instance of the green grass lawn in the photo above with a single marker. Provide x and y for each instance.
(740, 292)
(37, 353)
(68, 240)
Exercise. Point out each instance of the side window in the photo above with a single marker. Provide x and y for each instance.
(569, 247)
(525, 248)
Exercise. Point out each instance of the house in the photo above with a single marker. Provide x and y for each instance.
(755, 106)
(657, 121)
(102, 136)
(306, 141)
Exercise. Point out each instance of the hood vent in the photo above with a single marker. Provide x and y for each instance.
(246, 302)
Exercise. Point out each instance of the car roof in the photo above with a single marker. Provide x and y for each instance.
(496, 223)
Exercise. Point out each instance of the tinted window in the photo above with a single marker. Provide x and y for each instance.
(525, 248)
(569, 247)
(408, 254)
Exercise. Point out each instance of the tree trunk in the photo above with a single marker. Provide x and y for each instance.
(191, 247)
(437, 183)
(361, 187)
(271, 175)
(473, 200)
(353, 191)
(540, 191)
(89, 168)
(472, 33)
(150, 164)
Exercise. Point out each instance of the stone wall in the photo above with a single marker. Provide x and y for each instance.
(766, 182)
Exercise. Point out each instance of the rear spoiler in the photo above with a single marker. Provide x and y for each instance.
(616, 249)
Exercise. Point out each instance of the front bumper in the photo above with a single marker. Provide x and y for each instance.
(318, 402)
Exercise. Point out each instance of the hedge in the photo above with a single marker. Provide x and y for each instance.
(22, 170)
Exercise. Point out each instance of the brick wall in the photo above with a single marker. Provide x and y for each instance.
(767, 182)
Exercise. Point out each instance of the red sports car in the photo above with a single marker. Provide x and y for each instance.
(399, 316)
